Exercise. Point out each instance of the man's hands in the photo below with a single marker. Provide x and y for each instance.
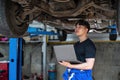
(84, 66)
(65, 63)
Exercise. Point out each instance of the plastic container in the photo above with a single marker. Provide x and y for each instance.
(52, 71)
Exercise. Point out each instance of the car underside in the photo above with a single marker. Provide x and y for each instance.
(16, 15)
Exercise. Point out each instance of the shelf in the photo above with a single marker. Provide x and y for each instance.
(60, 42)
(4, 42)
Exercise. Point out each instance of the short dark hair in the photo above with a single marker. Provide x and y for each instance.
(84, 23)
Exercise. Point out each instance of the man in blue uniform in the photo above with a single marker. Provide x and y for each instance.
(85, 51)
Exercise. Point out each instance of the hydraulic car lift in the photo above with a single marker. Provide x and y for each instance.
(15, 56)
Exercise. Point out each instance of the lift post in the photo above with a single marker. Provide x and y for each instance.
(15, 58)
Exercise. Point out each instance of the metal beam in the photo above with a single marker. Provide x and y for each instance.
(44, 50)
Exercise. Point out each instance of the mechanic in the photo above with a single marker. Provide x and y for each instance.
(85, 51)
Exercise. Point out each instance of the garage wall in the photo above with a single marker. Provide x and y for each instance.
(33, 58)
(107, 65)
(4, 50)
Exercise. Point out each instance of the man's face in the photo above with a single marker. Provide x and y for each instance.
(80, 30)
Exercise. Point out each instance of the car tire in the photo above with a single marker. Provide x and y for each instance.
(62, 35)
(113, 37)
(8, 22)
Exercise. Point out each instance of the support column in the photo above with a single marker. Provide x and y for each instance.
(15, 59)
(44, 50)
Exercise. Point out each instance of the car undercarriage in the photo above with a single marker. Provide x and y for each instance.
(16, 15)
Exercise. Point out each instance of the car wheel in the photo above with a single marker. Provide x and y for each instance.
(62, 35)
(113, 37)
(10, 23)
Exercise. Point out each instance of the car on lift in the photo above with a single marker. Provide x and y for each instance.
(16, 15)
